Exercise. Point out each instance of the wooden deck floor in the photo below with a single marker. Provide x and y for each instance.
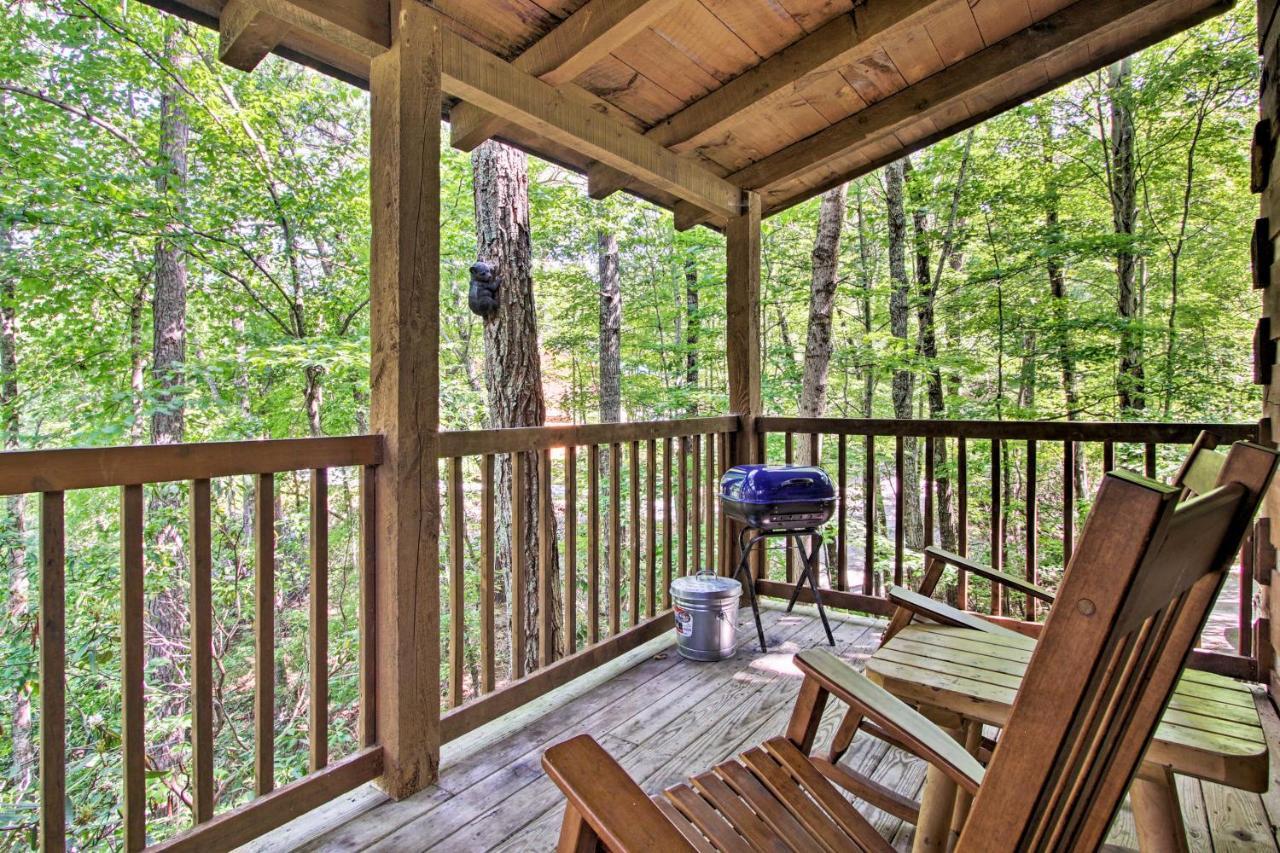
(663, 718)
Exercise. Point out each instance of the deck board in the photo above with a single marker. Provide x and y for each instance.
(664, 718)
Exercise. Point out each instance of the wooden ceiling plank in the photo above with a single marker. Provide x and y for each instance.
(1056, 32)
(1167, 19)
(477, 76)
(246, 34)
(580, 41)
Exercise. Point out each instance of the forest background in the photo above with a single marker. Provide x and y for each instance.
(184, 256)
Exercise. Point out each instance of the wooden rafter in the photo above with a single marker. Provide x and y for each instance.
(837, 42)
(583, 39)
(246, 34)
(478, 77)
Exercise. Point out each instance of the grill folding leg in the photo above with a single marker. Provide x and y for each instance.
(742, 573)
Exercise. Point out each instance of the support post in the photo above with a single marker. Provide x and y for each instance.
(742, 340)
(404, 329)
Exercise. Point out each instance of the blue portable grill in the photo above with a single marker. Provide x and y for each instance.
(790, 501)
(778, 497)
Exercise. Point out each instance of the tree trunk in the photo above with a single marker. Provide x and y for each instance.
(822, 292)
(169, 307)
(610, 328)
(866, 276)
(899, 318)
(512, 372)
(1130, 382)
(692, 327)
(19, 583)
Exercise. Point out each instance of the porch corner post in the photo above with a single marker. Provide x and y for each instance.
(742, 341)
(742, 333)
(405, 409)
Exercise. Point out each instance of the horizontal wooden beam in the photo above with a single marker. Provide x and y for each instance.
(1171, 23)
(1138, 432)
(830, 597)
(580, 41)
(363, 28)
(26, 471)
(246, 34)
(524, 439)
(1038, 42)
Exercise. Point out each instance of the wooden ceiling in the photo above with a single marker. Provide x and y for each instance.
(783, 97)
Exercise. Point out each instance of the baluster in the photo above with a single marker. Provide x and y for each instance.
(683, 488)
(1108, 457)
(725, 548)
(570, 550)
(593, 544)
(264, 666)
(842, 513)
(668, 558)
(518, 568)
(1033, 554)
(899, 507)
(695, 509)
(318, 712)
(788, 451)
(651, 523)
(962, 518)
(1244, 642)
(455, 512)
(929, 475)
(132, 659)
(488, 557)
(1149, 457)
(997, 525)
(709, 507)
(546, 536)
(633, 599)
(615, 538)
(815, 542)
(53, 683)
(869, 513)
(368, 729)
(1068, 500)
(200, 541)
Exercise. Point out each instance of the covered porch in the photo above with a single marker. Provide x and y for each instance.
(452, 714)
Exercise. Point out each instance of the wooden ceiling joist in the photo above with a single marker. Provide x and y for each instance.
(1044, 39)
(247, 34)
(584, 38)
(835, 43)
(476, 76)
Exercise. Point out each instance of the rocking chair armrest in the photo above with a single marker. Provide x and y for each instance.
(609, 800)
(941, 612)
(918, 734)
(1010, 581)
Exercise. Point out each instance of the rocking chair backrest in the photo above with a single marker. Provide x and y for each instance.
(1132, 604)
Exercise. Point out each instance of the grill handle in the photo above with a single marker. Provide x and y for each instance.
(797, 481)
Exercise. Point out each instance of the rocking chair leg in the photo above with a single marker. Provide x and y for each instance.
(964, 800)
(1156, 811)
(576, 835)
(933, 830)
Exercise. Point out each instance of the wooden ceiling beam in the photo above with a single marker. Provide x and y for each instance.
(835, 43)
(1042, 39)
(1169, 26)
(580, 41)
(246, 34)
(476, 76)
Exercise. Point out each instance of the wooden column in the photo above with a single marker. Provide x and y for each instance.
(742, 335)
(1265, 180)
(742, 342)
(404, 330)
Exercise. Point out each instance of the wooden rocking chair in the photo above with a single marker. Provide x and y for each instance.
(1139, 589)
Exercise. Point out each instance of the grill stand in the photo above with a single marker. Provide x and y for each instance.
(809, 572)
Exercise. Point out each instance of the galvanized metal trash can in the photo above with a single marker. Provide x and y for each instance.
(706, 610)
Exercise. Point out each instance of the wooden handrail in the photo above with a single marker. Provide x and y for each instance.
(27, 471)
(1144, 432)
(522, 439)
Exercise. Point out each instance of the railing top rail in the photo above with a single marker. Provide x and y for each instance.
(522, 439)
(26, 471)
(1153, 432)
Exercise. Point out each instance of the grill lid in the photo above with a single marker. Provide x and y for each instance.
(776, 484)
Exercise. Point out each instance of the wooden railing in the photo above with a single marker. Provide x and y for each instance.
(53, 473)
(871, 460)
(649, 514)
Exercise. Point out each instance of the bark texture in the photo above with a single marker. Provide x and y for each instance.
(610, 327)
(692, 323)
(1130, 381)
(822, 292)
(512, 371)
(899, 321)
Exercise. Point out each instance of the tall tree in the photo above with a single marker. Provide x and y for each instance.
(1122, 175)
(824, 263)
(512, 369)
(610, 327)
(896, 175)
(692, 324)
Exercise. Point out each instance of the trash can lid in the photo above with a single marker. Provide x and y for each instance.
(705, 586)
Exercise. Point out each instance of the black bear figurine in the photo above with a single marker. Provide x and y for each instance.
(483, 295)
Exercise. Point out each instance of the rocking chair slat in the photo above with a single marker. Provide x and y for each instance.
(821, 827)
(707, 819)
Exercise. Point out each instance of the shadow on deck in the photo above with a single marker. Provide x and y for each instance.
(664, 718)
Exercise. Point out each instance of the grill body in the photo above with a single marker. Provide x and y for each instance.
(778, 497)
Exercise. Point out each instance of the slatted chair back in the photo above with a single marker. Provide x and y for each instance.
(1131, 607)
